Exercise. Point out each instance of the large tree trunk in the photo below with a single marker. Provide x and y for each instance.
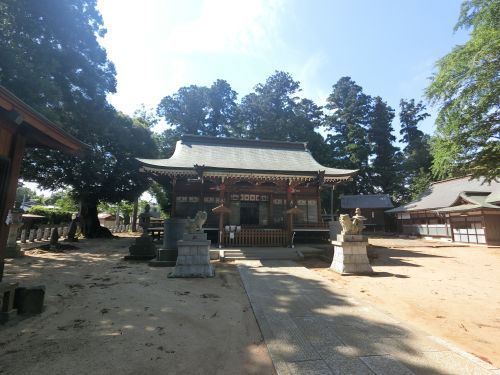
(91, 228)
(134, 215)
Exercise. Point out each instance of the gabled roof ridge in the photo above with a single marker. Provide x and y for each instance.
(231, 141)
(452, 179)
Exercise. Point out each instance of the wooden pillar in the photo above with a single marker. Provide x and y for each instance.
(222, 200)
(16, 156)
(289, 204)
(174, 195)
(270, 212)
(221, 229)
(202, 195)
(319, 205)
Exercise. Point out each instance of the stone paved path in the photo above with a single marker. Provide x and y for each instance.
(310, 327)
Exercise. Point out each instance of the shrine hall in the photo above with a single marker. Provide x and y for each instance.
(255, 192)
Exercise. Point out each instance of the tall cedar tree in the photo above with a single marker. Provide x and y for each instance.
(273, 111)
(385, 165)
(50, 58)
(466, 87)
(348, 138)
(416, 151)
(417, 156)
(268, 112)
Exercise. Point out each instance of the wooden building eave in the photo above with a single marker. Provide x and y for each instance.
(38, 130)
(233, 173)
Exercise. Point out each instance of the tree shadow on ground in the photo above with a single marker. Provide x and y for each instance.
(105, 315)
(310, 326)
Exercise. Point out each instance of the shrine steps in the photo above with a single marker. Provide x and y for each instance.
(270, 253)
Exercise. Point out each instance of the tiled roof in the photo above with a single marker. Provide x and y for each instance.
(445, 193)
(244, 156)
(366, 201)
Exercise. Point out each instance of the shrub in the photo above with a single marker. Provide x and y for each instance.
(53, 215)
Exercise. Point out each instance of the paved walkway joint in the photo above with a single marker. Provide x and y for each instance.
(310, 327)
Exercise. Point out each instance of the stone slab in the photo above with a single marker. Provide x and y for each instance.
(138, 257)
(351, 238)
(310, 327)
(161, 263)
(309, 368)
(193, 271)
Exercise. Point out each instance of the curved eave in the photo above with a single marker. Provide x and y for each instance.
(243, 173)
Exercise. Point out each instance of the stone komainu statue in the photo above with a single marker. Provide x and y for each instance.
(354, 226)
(195, 225)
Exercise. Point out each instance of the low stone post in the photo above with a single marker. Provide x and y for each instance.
(31, 237)
(72, 229)
(23, 236)
(46, 233)
(39, 234)
(12, 249)
(54, 239)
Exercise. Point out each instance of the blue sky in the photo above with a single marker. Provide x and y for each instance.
(389, 47)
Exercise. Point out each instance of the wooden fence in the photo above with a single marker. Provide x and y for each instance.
(256, 237)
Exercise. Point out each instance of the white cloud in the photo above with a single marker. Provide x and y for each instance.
(159, 46)
(227, 26)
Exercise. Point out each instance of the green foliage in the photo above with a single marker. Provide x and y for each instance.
(63, 200)
(466, 88)
(165, 142)
(123, 207)
(161, 196)
(417, 159)
(385, 167)
(348, 138)
(268, 113)
(146, 118)
(53, 215)
(274, 112)
(108, 172)
(200, 110)
(25, 193)
(51, 59)
(419, 184)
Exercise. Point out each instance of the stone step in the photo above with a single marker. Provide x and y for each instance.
(256, 254)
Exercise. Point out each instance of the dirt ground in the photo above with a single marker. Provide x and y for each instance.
(448, 290)
(104, 315)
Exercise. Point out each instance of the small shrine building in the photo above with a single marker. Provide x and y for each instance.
(256, 193)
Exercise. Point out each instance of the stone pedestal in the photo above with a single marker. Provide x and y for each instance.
(29, 300)
(166, 255)
(142, 249)
(7, 294)
(350, 255)
(193, 259)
